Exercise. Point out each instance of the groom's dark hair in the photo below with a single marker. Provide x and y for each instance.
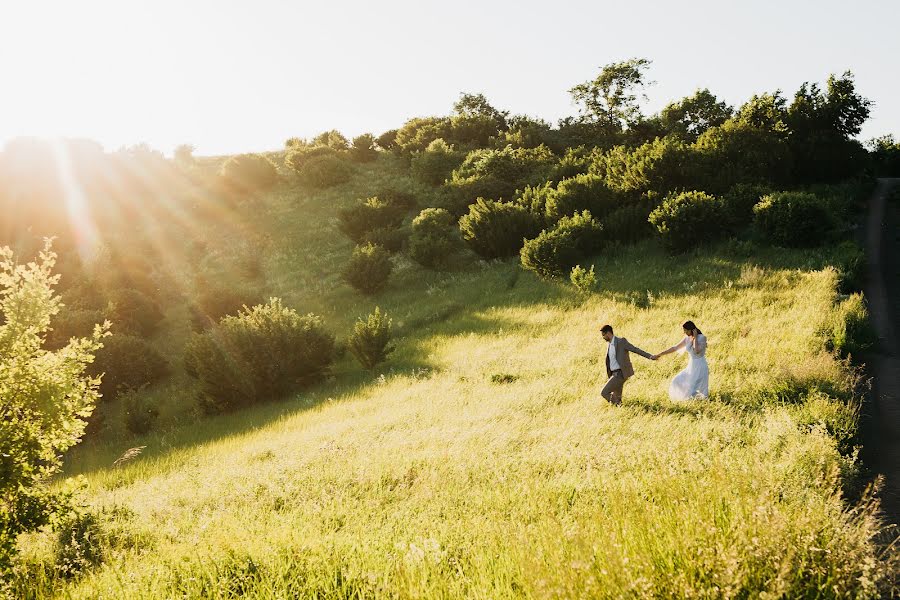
(606, 329)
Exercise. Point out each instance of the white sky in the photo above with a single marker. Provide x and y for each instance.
(230, 76)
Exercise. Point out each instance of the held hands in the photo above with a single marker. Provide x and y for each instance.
(654, 357)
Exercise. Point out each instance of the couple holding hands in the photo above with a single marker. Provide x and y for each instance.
(692, 382)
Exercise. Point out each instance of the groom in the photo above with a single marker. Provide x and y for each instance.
(618, 364)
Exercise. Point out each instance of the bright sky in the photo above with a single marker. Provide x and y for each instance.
(230, 76)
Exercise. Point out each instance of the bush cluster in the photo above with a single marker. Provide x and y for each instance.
(497, 229)
(687, 220)
(556, 251)
(797, 219)
(434, 238)
(261, 353)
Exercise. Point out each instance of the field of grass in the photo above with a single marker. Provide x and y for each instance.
(481, 460)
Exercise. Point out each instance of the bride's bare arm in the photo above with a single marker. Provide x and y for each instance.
(671, 350)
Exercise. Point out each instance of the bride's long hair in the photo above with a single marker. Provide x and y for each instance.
(689, 325)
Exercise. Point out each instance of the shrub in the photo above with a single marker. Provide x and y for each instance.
(47, 397)
(793, 219)
(368, 215)
(132, 312)
(582, 192)
(491, 173)
(79, 544)
(128, 362)
(398, 198)
(630, 223)
(249, 173)
(497, 229)
(363, 148)
(555, 251)
(368, 269)
(72, 323)
(737, 152)
(333, 139)
(301, 153)
(434, 238)
(850, 332)
(435, 164)
(687, 220)
(392, 239)
(585, 281)
(660, 166)
(738, 203)
(370, 341)
(325, 171)
(216, 299)
(418, 132)
(851, 267)
(140, 414)
(387, 140)
(262, 353)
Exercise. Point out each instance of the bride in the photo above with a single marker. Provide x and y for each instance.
(694, 380)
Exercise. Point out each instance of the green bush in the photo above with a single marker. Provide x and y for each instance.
(399, 198)
(738, 203)
(630, 223)
(435, 164)
(139, 413)
(216, 299)
(392, 239)
(660, 166)
(47, 397)
(793, 219)
(497, 229)
(300, 153)
(368, 215)
(492, 173)
(434, 238)
(72, 323)
(249, 173)
(363, 148)
(556, 251)
(262, 353)
(387, 140)
(325, 171)
(585, 281)
(133, 312)
(370, 341)
(79, 544)
(582, 192)
(333, 139)
(736, 152)
(851, 267)
(369, 269)
(127, 362)
(687, 220)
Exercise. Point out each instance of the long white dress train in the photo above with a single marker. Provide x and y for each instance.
(694, 380)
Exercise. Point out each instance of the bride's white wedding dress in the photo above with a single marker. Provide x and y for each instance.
(694, 380)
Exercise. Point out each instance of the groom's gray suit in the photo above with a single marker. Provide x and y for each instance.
(617, 378)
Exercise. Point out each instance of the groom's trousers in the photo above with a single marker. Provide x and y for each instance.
(614, 385)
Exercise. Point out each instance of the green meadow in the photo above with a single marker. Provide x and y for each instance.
(480, 461)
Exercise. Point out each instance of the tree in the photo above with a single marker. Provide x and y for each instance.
(691, 116)
(45, 398)
(477, 105)
(184, 156)
(611, 98)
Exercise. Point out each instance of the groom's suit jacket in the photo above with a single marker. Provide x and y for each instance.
(623, 356)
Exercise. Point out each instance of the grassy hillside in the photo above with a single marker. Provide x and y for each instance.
(481, 461)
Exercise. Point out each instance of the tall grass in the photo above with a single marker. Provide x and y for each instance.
(483, 463)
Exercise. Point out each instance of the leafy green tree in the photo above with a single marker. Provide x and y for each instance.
(333, 139)
(434, 238)
(45, 398)
(611, 99)
(691, 116)
(435, 164)
(477, 105)
(369, 268)
(363, 148)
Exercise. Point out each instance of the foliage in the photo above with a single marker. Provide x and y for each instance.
(127, 362)
(72, 323)
(325, 171)
(333, 139)
(850, 332)
(688, 220)
(132, 312)
(793, 219)
(738, 203)
(497, 229)
(611, 99)
(885, 153)
(262, 353)
(363, 148)
(555, 251)
(46, 397)
(692, 116)
(630, 223)
(434, 164)
(498, 173)
(387, 140)
(736, 152)
(370, 341)
(369, 269)
(392, 239)
(582, 192)
(215, 299)
(249, 173)
(139, 412)
(369, 215)
(584, 280)
(660, 166)
(434, 238)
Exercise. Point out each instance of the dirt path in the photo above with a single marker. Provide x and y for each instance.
(883, 254)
